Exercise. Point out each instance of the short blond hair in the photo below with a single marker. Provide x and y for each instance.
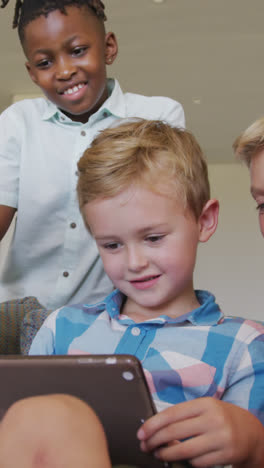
(250, 142)
(165, 159)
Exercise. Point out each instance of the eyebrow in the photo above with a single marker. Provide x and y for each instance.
(255, 191)
(144, 230)
(47, 51)
(152, 227)
(106, 238)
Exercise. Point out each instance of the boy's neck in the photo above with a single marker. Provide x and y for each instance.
(177, 308)
(84, 118)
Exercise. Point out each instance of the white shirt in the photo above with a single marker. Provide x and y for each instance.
(52, 256)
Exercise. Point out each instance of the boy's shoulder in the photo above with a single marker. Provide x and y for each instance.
(154, 108)
(27, 108)
(240, 330)
(132, 105)
(75, 313)
(246, 322)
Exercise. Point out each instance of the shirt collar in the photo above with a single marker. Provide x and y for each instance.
(50, 111)
(114, 105)
(207, 314)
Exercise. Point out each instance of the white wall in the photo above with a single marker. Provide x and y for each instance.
(230, 264)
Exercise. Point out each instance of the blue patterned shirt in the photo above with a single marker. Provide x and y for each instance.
(202, 353)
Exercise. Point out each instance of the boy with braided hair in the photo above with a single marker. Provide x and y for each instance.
(52, 256)
(22, 15)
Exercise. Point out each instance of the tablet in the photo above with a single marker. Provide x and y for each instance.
(113, 385)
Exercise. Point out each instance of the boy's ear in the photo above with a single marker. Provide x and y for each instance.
(111, 48)
(30, 72)
(208, 220)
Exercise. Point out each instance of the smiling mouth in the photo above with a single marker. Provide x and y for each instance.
(73, 89)
(146, 283)
(145, 280)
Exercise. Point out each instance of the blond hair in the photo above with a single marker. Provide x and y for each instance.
(152, 153)
(250, 142)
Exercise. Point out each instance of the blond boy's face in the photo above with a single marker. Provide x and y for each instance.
(148, 246)
(257, 185)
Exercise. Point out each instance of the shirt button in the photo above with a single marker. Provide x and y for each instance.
(66, 274)
(83, 133)
(73, 225)
(135, 331)
(62, 118)
(105, 114)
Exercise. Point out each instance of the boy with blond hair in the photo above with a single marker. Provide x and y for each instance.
(249, 148)
(144, 194)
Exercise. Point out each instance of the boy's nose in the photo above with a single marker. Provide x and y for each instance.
(65, 70)
(136, 259)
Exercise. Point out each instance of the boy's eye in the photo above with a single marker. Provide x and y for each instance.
(260, 208)
(43, 63)
(79, 51)
(111, 246)
(155, 238)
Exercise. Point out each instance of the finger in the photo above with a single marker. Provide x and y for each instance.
(173, 414)
(200, 447)
(179, 431)
(210, 459)
(204, 461)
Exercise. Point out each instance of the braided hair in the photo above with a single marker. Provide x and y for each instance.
(28, 10)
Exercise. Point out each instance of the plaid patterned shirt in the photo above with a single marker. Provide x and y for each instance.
(202, 353)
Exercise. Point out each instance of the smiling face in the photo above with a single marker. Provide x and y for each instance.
(148, 246)
(67, 57)
(257, 185)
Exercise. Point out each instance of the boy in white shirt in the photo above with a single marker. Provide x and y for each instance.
(52, 256)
